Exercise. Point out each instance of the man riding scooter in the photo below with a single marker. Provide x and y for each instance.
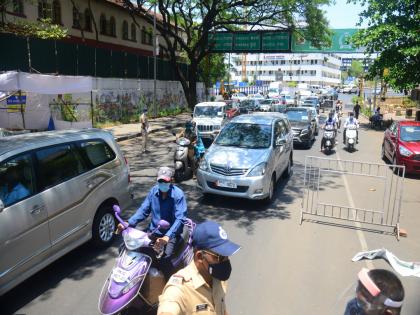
(196, 148)
(166, 202)
(331, 121)
(351, 121)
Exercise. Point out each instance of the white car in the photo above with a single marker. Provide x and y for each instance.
(239, 97)
(316, 116)
(287, 100)
(209, 117)
(257, 96)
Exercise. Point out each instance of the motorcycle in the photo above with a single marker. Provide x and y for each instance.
(329, 138)
(351, 137)
(136, 281)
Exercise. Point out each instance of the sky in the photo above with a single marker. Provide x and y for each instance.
(343, 15)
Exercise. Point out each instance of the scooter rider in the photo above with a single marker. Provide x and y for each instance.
(379, 292)
(196, 145)
(351, 121)
(200, 287)
(166, 202)
(331, 121)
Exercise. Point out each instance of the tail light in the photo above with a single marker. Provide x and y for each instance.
(284, 102)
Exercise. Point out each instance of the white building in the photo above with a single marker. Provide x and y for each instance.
(312, 68)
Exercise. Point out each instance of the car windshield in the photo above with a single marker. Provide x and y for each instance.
(248, 103)
(266, 102)
(297, 115)
(273, 90)
(245, 135)
(207, 111)
(410, 133)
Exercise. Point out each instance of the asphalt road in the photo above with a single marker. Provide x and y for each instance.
(282, 268)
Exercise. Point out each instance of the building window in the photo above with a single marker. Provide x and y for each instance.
(150, 37)
(88, 20)
(44, 9)
(56, 13)
(76, 18)
(18, 7)
(112, 27)
(102, 24)
(133, 32)
(125, 30)
(143, 35)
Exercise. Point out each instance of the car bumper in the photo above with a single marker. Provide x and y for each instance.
(301, 138)
(411, 166)
(247, 187)
(209, 135)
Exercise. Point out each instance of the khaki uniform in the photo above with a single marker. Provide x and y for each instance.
(188, 293)
(144, 129)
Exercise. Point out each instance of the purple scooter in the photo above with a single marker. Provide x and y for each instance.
(134, 282)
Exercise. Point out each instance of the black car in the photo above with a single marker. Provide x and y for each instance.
(250, 105)
(303, 125)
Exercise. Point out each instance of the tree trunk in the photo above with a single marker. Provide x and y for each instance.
(191, 94)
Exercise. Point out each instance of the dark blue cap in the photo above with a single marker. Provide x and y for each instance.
(211, 236)
(145, 109)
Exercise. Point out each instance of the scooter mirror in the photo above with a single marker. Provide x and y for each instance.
(116, 208)
(164, 224)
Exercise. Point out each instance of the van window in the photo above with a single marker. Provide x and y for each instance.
(16, 180)
(57, 164)
(97, 152)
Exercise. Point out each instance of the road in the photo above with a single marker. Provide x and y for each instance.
(282, 268)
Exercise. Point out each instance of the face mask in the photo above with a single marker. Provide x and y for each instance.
(164, 187)
(220, 271)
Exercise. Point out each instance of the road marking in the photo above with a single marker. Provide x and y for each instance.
(359, 232)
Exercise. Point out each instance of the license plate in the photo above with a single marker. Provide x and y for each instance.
(225, 184)
(120, 275)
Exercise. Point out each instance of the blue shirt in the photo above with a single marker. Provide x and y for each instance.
(18, 193)
(172, 209)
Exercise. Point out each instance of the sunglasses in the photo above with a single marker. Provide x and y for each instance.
(220, 258)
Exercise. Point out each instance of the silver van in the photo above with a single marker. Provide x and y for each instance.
(57, 189)
(248, 157)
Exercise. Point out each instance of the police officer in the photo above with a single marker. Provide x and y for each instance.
(201, 286)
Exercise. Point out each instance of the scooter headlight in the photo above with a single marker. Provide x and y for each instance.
(134, 240)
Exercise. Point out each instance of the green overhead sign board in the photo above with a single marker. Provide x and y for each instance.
(277, 41)
(252, 41)
(339, 43)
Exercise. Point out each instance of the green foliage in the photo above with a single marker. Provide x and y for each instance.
(393, 32)
(344, 75)
(366, 111)
(358, 99)
(171, 111)
(356, 69)
(292, 84)
(43, 29)
(212, 68)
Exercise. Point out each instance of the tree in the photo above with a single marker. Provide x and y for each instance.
(185, 25)
(211, 69)
(393, 33)
(356, 69)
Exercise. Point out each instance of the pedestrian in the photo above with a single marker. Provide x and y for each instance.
(165, 201)
(378, 292)
(200, 287)
(144, 124)
(356, 110)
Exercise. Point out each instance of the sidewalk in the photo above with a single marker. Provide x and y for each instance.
(129, 131)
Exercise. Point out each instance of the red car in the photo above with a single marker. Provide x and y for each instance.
(402, 145)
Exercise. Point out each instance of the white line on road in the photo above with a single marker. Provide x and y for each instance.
(359, 232)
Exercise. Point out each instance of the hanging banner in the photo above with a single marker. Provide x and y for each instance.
(16, 103)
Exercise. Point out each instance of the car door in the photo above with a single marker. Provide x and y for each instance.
(388, 143)
(24, 230)
(58, 168)
(280, 157)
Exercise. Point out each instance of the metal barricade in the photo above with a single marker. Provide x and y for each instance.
(323, 177)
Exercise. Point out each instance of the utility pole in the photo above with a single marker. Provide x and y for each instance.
(154, 61)
(374, 93)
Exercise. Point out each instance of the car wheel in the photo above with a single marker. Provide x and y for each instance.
(103, 226)
(308, 144)
(316, 131)
(270, 196)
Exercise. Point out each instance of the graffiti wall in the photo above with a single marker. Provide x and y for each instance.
(113, 100)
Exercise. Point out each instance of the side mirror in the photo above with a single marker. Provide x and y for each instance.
(163, 224)
(280, 141)
(192, 114)
(1, 205)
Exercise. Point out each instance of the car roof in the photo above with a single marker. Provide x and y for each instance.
(211, 104)
(259, 118)
(33, 140)
(409, 123)
(301, 108)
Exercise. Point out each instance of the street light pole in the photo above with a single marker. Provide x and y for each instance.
(154, 61)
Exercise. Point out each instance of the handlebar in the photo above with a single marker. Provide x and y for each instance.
(117, 212)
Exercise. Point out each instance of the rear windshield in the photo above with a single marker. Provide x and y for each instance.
(297, 115)
(410, 133)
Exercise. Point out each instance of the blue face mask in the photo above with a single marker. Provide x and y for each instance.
(164, 187)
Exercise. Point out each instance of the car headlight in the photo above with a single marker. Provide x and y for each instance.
(258, 170)
(404, 151)
(305, 130)
(203, 165)
(216, 127)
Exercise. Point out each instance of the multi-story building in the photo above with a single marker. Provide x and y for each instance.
(346, 60)
(312, 68)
